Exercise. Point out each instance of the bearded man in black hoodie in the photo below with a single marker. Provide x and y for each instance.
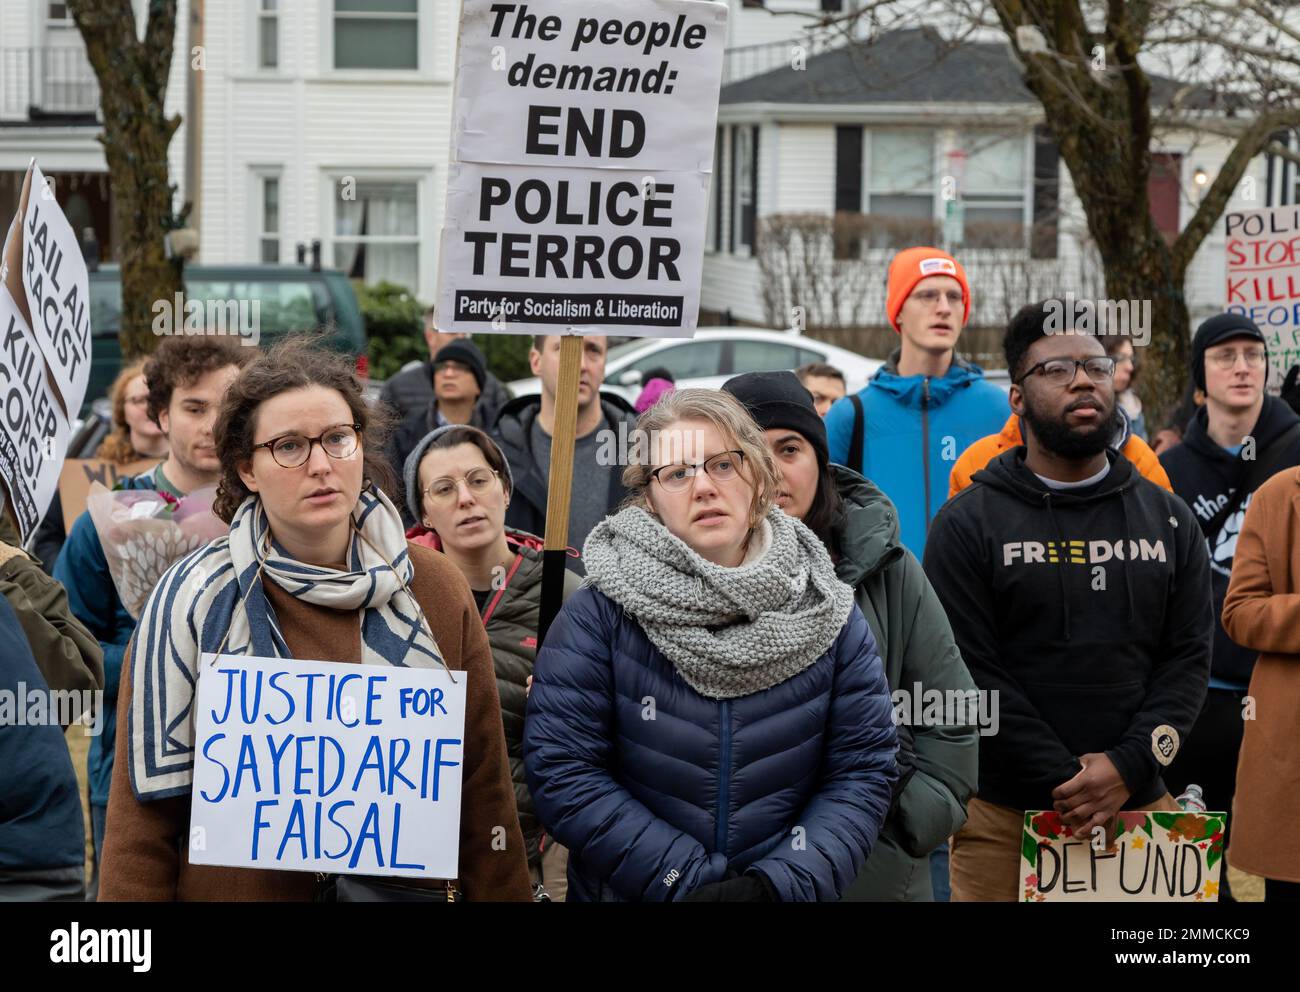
(1237, 441)
(1079, 592)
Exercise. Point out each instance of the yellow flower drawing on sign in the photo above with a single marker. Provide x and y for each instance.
(1211, 889)
(1139, 843)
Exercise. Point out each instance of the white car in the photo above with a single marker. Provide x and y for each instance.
(714, 355)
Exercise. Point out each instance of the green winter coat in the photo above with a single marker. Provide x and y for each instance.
(67, 654)
(916, 645)
(511, 620)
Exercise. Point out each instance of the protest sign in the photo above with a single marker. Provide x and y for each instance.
(582, 150)
(58, 289)
(317, 766)
(1263, 252)
(44, 348)
(1155, 856)
(33, 427)
(79, 473)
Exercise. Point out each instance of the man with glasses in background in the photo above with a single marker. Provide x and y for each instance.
(925, 406)
(1079, 594)
(1236, 441)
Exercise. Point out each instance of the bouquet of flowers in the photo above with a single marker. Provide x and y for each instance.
(145, 531)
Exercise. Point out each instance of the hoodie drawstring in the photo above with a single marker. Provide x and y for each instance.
(1060, 566)
(1128, 536)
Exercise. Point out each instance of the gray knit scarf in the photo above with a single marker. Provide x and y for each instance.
(728, 631)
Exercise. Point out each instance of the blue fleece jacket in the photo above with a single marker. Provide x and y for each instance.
(916, 428)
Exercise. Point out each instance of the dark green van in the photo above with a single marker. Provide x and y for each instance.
(288, 298)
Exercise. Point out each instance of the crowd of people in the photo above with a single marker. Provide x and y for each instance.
(714, 714)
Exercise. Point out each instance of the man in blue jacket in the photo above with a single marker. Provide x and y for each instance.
(187, 378)
(925, 407)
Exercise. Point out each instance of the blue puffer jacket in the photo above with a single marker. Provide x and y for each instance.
(657, 790)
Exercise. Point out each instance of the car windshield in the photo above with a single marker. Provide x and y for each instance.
(626, 348)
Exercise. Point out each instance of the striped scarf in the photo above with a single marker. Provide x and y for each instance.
(196, 605)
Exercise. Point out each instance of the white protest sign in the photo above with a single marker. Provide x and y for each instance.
(33, 428)
(582, 150)
(319, 766)
(1263, 252)
(58, 289)
(1147, 856)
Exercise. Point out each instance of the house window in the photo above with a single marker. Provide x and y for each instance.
(58, 13)
(269, 233)
(995, 190)
(376, 233)
(744, 185)
(376, 34)
(902, 180)
(268, 34)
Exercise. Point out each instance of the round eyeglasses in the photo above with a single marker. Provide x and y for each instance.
(446, 490)
(720, 468)
(293, 450)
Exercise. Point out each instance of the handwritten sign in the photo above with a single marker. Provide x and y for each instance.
(1263, 252)
(319, 766)
(58, 290)
(44, 348)
(79, 473)
(1156, 856)
(581, 154)
(34, 430)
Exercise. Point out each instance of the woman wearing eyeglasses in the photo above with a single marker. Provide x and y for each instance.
(316, 566)
(709, 718)
(458, 486)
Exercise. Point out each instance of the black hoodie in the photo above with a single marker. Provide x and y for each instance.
(513, 431)
(1206, 475)
(1088, 611)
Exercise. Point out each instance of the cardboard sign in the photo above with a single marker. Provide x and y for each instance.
(79, 473)
(577, 195)
(34, 430)
(1156, 856)
(1263, 253)
(318, 766)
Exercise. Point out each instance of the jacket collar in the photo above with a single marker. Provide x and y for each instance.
(867, 531)
(932, 391)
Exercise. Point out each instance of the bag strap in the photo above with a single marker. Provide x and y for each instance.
(1261, 469)
(858, 437)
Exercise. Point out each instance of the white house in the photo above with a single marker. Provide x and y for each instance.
(327, 120)
(49, 106)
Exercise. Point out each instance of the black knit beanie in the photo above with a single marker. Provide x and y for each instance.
(466, 352)
(1218, 328)
(779, 399)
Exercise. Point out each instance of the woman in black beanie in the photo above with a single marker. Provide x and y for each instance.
(859, 526)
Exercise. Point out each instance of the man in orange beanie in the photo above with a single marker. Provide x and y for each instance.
(925, 406)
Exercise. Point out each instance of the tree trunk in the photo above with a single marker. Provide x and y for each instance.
(133, 85)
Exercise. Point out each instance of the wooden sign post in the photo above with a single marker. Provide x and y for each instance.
(560, 482)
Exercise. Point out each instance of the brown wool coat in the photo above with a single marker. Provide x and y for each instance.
(1262, 612)
(144, 843)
